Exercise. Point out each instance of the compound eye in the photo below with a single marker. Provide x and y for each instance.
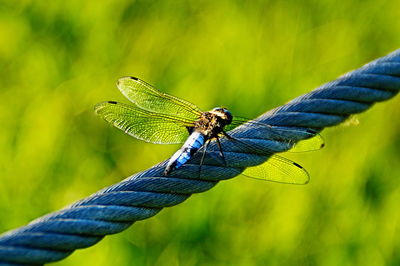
(228, 115)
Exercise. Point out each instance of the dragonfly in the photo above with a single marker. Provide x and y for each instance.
(160, 118)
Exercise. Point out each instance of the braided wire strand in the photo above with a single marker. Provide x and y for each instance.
(113, 209)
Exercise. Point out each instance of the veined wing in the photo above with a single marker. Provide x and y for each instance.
(312, 140)
(279, 169)
(275, 169)
(143, 124)
(147, 97)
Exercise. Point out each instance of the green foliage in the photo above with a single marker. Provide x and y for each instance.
(59, 58)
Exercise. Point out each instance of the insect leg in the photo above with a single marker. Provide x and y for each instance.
(202, 156)
(220, 150)
(226, 135)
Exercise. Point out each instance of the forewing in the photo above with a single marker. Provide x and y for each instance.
(143, 124)
(147, 97)
(313, 141)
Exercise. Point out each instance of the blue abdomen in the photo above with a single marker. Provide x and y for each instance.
(191, 146)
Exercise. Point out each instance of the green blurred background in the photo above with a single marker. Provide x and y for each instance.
(59, 58)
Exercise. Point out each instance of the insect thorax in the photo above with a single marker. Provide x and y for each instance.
(212, 123)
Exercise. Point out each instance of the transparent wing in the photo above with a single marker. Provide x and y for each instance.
(147, 97)
(275, 169)
(312, 142)
(143, 124)
(279, 169)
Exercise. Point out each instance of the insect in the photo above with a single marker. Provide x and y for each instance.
(160, 118)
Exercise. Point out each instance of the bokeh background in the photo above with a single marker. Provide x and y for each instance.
(59, 58)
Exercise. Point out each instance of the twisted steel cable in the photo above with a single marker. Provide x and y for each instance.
(113, 209)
